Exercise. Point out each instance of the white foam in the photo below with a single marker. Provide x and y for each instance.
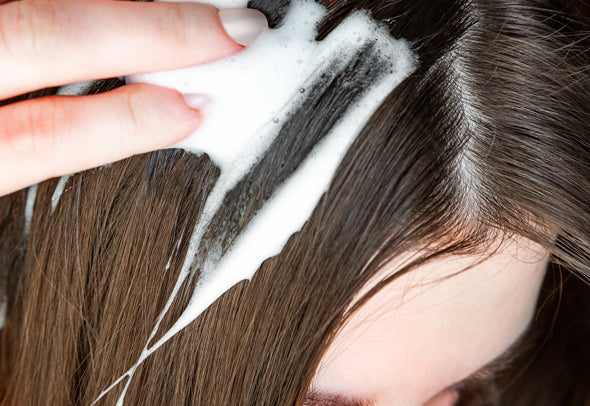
(59, 189)
(75, 89)
(29, 207)
(251, 94)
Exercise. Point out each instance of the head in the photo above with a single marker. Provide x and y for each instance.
(422, 261)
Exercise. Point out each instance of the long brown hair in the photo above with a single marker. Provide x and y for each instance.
(489, 137)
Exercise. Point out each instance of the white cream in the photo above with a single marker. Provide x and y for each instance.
(251, 94)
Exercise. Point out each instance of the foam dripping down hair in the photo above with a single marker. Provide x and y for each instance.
(262, 109)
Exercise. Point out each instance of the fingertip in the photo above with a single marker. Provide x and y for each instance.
(243, 25)
(183, 115)
(192, 122)
(180, 115)
(199, 26)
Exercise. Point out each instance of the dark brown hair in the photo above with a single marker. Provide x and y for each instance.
(489, 137)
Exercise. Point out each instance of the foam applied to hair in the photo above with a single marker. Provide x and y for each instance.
(253, 97)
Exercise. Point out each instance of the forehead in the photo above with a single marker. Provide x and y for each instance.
(434, 326)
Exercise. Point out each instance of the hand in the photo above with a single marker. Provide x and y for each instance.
(46, 43)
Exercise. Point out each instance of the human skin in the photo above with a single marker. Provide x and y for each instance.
(425, 332)
(51, 43)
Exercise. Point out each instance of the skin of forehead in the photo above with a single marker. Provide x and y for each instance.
(423, 333)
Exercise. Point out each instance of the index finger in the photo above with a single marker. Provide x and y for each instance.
(47, 43)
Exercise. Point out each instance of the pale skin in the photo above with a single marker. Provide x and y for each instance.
(45, 43)
(421, 335)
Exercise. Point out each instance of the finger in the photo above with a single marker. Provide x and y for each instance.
(49, 43)
(57, 135)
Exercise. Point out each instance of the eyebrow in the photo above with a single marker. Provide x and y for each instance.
(317, 398)
(484, 375)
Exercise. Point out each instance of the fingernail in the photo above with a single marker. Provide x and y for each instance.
(244, 25)
(196, 101)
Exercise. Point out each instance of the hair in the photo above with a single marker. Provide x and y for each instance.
(489, 138)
